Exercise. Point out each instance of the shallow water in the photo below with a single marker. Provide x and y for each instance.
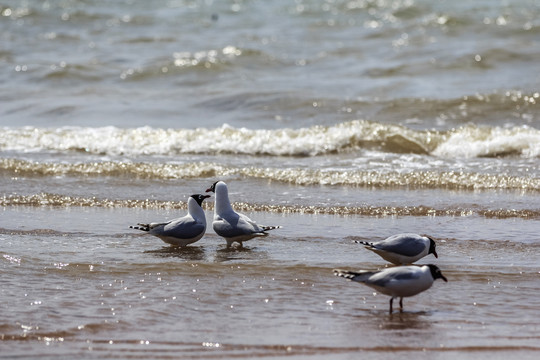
(339, 120)
(99, 290)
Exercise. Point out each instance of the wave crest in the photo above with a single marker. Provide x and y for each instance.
(467, 141)
(473, 141)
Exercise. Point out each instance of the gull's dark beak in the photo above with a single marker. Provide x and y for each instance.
(432, 247)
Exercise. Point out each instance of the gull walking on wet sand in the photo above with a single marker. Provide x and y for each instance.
(182, 231)
(231, 225)
(396, 282)
(402, 249)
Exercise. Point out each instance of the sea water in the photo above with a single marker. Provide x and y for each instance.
(339, 120)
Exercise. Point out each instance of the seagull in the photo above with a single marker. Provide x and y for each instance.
(182, 231)
(399, 281)
(402, 249)
(233, 226)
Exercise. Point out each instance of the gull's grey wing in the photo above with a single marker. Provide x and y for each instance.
(383, 278)
(155, 225)
(235, 225)
(183, 228)
(404, 244)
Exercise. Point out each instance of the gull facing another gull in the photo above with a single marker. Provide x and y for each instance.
(182, 231)
(402, 249)
(229, 224)
(399, 281)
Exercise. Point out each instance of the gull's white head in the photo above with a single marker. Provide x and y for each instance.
(222, 196)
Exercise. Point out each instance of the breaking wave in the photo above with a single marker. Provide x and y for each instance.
(467, 141)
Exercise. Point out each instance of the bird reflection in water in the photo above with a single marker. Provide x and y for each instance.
(190, 253)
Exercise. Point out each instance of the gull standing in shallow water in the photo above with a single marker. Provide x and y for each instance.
(229, 224)
(182, 231)
(399, 281)
(402, 249)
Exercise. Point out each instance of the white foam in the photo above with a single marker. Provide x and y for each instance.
(467, 142)
(473, 141)
(151, 141)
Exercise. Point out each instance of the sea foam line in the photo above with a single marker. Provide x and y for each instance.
(449, 180)
(66, 201)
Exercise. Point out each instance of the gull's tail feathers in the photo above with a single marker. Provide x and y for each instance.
(142, 227)
(365, 243)
(359, 276)
(268, 228)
